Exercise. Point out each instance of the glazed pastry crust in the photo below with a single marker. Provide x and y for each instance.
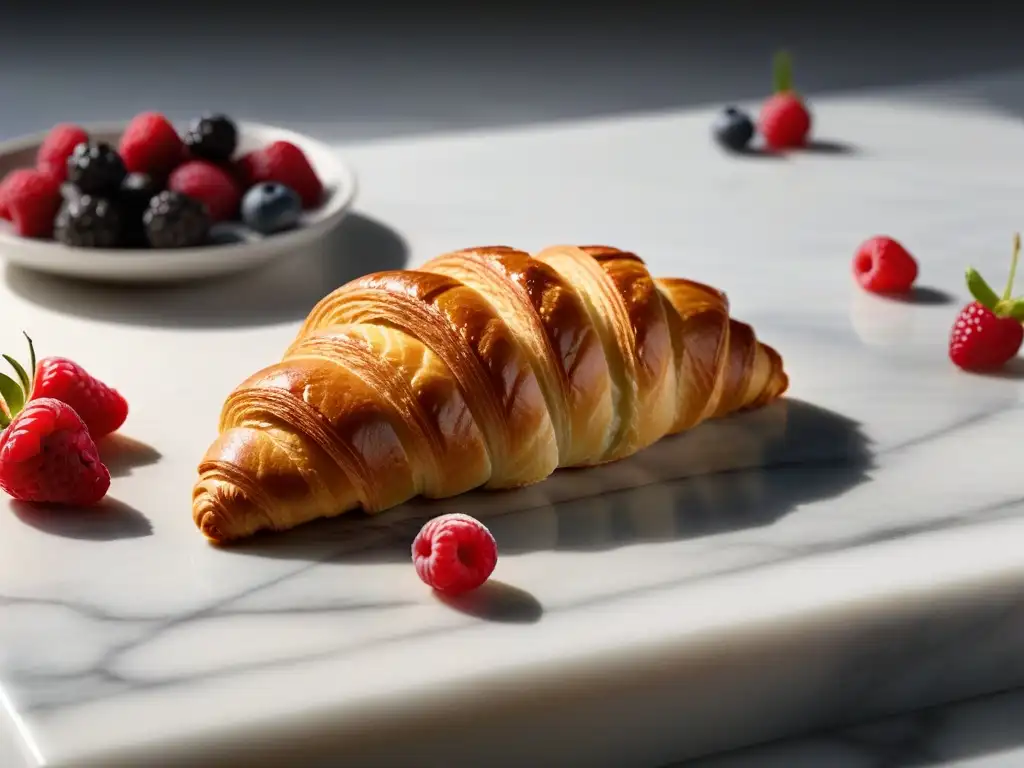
(485, 368)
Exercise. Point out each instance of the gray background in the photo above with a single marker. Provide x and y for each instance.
(356, 73)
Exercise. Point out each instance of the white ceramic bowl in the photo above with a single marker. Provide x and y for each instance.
(176, 264)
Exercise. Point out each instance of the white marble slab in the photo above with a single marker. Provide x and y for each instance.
(862, 556)
(982, 732)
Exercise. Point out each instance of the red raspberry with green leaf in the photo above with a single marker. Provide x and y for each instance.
(102, 409)
(785, 121)
(988, 332)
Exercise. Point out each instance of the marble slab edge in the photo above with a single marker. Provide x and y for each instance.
(815, 642)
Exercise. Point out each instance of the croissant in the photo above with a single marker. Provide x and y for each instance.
(486, 367)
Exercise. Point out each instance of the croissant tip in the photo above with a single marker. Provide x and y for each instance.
(208, 516)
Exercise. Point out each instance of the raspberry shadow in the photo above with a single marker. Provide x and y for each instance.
(109, 520)
(496, 601)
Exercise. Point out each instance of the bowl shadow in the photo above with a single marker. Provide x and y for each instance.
(740, 472)
(282, 291)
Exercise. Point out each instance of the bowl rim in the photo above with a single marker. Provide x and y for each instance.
(343, 180)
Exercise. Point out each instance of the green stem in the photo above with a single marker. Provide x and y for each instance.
(1008, 293)
(782, 72)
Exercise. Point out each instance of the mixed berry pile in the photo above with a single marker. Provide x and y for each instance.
(784, 122)
(156, 188)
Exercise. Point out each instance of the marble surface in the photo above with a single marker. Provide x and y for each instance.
(978, 733)
(845, 554)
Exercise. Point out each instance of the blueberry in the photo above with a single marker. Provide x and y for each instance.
(271, 207)
(228, 233)
(733, 129)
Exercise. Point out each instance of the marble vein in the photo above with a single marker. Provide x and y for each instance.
(825, 559)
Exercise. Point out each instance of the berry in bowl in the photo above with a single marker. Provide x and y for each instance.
(148, 202)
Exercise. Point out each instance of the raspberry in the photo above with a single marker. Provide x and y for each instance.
(209, 184)
(882, 265)
(454, 553)
(47, 455)
(242, 170)
(286, 164)
(11, 181)
(988, 333)
(981, 340)
(57, 147)
(31, 199)
(150, 144)
(102, 409)
(784, 121)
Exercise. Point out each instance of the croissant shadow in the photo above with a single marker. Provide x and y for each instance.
(282, 291)
(744, 471)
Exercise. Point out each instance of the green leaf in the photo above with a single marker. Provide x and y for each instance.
(26, 383)
(980, 290)
(4, 419)
(12, 394)
(31, 359)
(1015, 309)
(782, 72)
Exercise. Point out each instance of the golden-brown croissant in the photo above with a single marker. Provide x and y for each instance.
(485, 367)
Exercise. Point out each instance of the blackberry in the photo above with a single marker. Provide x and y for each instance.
(69, 191)
(212, 137)
(136, 191)
(88, 222)
(174, 220)
(96, 168)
